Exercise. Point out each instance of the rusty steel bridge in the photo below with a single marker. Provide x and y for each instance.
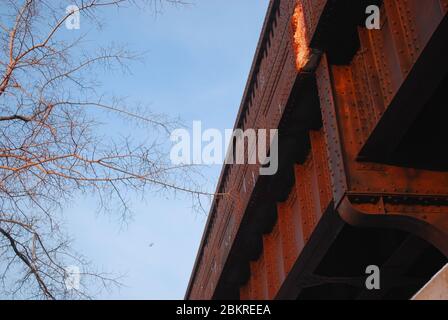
(362, 117)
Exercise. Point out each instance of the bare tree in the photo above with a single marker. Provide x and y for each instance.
(50, 147)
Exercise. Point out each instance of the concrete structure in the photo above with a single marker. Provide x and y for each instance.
(436, 289)
(363, 176)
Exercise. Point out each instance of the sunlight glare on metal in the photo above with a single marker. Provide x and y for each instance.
(300, 38)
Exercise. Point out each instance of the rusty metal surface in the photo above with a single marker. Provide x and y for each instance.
(297, 219)
(312, 11)
(353, 99)
(273, 253)
(416, 88)
(331, 128)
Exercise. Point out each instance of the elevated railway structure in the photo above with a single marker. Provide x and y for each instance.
(362, 117)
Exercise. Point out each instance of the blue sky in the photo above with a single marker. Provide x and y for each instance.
(197, 62)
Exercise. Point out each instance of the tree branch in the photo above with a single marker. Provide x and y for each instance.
(15, 117)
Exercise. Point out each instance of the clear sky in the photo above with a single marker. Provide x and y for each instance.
(196, 68)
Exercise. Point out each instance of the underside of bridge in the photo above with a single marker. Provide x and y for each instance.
(363, 158)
